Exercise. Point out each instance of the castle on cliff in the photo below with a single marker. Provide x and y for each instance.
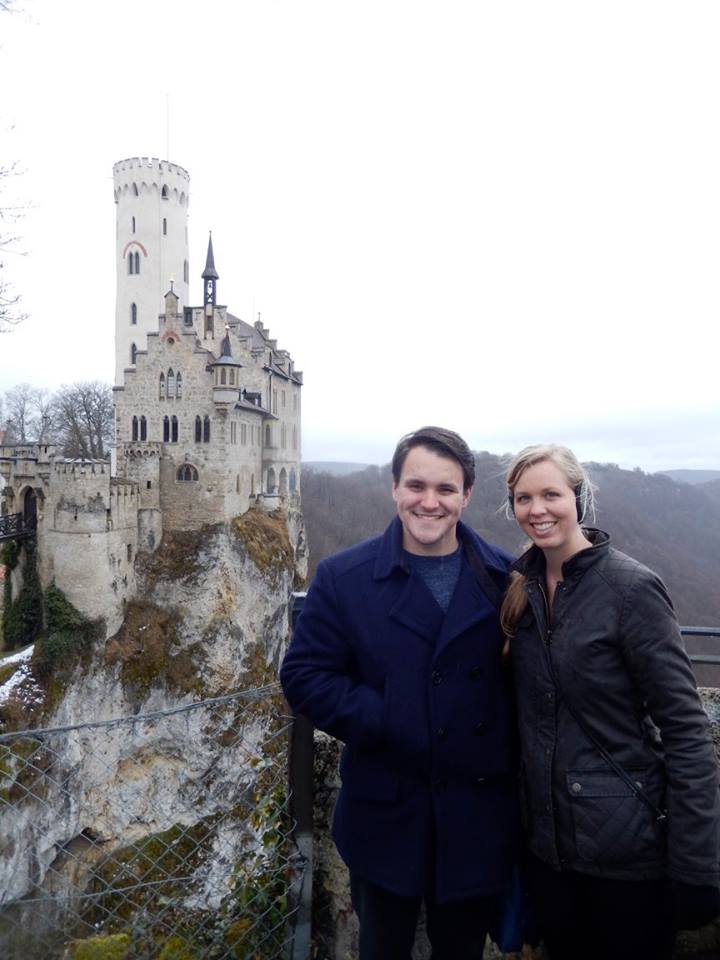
(207, 413)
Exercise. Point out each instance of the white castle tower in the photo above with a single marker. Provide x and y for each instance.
(151, 198)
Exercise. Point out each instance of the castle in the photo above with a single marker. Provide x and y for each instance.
(207, 413)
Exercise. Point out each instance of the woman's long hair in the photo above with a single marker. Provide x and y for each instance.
(515, 600)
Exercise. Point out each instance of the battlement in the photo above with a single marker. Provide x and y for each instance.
(140, 176)
(78, 469)
(133, 166)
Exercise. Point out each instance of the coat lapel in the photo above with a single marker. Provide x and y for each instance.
(416, 609)
(468, 607)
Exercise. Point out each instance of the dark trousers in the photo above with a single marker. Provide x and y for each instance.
(388, 923)
(597, 919)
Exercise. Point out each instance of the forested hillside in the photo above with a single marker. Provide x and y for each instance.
(672, 527)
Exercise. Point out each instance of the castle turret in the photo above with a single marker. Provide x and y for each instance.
(226, 375)
(151, 199)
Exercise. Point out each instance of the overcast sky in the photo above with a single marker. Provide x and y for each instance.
(502, 217)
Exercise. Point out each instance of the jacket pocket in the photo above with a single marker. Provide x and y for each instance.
(365, 778)
(612, 824)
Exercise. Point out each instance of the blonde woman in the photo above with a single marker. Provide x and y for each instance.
(619, 774)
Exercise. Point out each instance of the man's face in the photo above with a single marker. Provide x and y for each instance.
(430, 498)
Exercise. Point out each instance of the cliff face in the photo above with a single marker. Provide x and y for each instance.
(213, 620)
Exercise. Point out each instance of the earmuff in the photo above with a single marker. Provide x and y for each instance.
(580, 501)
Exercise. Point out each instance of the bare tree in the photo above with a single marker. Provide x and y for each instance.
(10, 309)
(83, 419)
(20, 407)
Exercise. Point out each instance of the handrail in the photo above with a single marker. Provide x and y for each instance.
(707, 658)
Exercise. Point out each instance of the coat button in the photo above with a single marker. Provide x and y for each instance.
(479, 728)
(436, 678)
(576, 788)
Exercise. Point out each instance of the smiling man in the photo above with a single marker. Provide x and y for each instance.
(397, 653)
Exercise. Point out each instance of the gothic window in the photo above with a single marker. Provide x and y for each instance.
(198, 430)
(293, 481)
(170, 384)
(135, 190)
(137, 261)
(186, 473)
(174, 430)
(243, 434)
(233, 433)
(134, 428)
(237, 483)
(131, 263)
(164, 226)
(162, 386)
(274, 401)
(133, 314)
(283, 482)
(271, 481)
(178, 386)
(267, 436)
(206, 429)
(164, 193)
(166, 429)
(223, 375)
(294, 438)
(232, 377)
(143, 428)
(252, 484)
(133, 224)
(133, 353)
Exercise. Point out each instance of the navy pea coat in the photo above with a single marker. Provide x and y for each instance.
(419, 697)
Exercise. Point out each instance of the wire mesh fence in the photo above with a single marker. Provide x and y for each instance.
(165, 835)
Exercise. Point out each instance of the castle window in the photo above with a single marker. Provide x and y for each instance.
(164, 193)
(148, 484)
(129, 552)
(186, 271)
(223, 375)
(271, 481)
(294, 435)
(170, 384)
(283, 436)
(164, 226)
(237, 483)
(133, 224)
(283, 397)
(134, 428)
(206, 430)
(274, 401)
(131, 263)
(166, 429)
(267, 435)
(243, 434)
(198, 430)
(137, 262)
(133, 354)
(187, 473)
(178, 387)
(161, 392)
(295, 399)
(293, 481)
(252, 484)
(143, 428)
(232, 377)
(133, 314)
(174, 430)
(135, 190)
(233, 433)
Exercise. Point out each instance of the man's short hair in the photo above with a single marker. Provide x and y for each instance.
(445, 443)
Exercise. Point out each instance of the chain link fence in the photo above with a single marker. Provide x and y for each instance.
(164, 835)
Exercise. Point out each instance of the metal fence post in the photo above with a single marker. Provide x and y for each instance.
(301, 808)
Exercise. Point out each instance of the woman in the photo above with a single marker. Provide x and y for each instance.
(619, 774)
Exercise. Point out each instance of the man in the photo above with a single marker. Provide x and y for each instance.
(397, 652)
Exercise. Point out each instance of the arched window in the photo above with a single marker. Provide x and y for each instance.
(178, 387)
(232, 377)
(131, 263)
(133, 314)
(252, 484)
(133, 354)
(137, 261)
(294, 438)
(166, 429)
(161, 392)
(164, 226)
(135, 190)
(174, 430)
(267, 435)
(283, 482)
(143, 428)
(133, 224)
(271, 481)
(186, 271)
(170, 384)
(223, 375)
(164, 193)
(293, 481)
(206, 430)
(134, 428)
(198, 430)
(186, 473)
(237, 483)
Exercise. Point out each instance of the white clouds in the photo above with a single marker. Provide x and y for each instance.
(471, 211)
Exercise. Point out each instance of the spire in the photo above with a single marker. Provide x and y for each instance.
(210, 273)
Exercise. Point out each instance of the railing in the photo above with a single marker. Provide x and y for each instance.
(702, 632)
(14, 526)
(192, 859)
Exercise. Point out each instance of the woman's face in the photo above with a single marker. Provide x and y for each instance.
(544, 504)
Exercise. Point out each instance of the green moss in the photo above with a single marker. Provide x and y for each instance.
(176, 948)
(266, 539)
(22, 618)
(114, 946)
(149, 653)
